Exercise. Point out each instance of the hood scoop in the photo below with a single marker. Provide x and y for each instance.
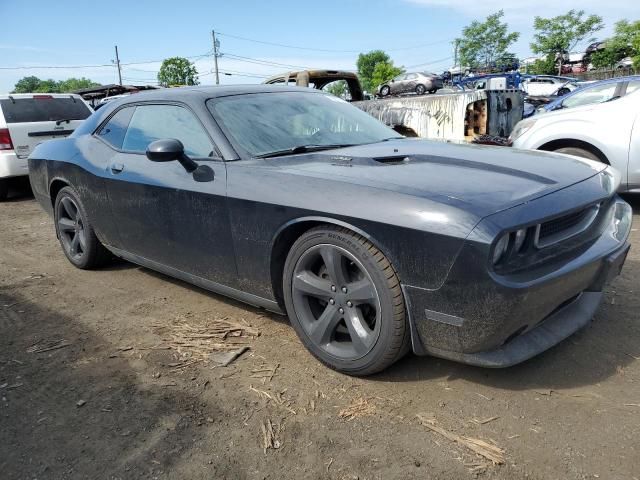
(393, 160)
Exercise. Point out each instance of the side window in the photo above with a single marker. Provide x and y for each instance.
(400, 77)
(155, 122)
(595, 94)
(632, 86)
(113, 131)
(411, 76)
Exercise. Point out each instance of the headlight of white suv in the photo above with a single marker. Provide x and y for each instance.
(521, 128)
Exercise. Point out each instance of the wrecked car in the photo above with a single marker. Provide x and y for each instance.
(415, 82)
(373, 244)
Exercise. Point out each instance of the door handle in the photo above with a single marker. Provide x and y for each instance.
(117, 168)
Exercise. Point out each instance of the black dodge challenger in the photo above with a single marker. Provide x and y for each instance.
(373, 244)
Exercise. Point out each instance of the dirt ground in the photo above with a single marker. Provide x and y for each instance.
(95, 384)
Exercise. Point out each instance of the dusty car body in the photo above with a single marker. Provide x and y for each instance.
(462, 270)
(413, 82)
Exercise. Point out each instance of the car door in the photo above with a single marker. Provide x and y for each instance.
(162, 213)
(396, 86)
(411, 80)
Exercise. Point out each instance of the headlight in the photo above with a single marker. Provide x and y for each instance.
(521, 128)
(500, 248)
(520, 235)
(610, 180)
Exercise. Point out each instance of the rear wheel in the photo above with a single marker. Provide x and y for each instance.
(578, 152)
(4, 189)
(75, 232)
(344, 300)
(420, 89)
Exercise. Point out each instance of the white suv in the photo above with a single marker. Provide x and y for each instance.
(28, 119)
(608, 132)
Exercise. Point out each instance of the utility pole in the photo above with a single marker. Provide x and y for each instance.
(118, 65)
(456, 44)
(216, 45)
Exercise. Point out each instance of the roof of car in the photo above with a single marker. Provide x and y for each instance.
(205, 92)
(31, 95)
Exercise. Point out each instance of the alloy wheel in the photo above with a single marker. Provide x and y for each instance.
(71, 228)
(336, 302)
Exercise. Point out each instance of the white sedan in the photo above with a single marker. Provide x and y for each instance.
(547, 85)
(607, 132)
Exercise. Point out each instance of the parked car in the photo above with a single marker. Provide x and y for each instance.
(598, 92)
(547, 85)
(296, 201)
(417, 82)
(29, 119)
(606, 132)
(626, 62)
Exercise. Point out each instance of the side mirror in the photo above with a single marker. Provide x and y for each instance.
(168, 150)
(393, 80)
(165, 150)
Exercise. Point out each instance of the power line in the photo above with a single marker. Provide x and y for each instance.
(429, 63)
(261, 62)
(283, 45)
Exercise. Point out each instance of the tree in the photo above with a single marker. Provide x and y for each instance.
(74, 84)
(543, 66)
(177, 71)
(620, 45)
(36, 85)
(366, 63)
(338, 88)
(385, 71)
(482, 43)
(560, 35)
(26, 85)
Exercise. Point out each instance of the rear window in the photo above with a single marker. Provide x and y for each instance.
(44, 109)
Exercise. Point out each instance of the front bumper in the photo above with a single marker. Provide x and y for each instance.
(493, 321)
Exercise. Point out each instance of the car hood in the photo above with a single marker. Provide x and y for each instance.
(480, 179)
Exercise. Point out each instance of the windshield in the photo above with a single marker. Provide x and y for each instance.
(263, 123)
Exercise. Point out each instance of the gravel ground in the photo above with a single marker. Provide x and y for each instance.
(106, 374)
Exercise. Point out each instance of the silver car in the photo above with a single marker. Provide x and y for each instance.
(417, 82)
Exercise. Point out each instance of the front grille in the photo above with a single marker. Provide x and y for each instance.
(562, 228)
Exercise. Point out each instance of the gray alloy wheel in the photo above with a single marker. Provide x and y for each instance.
(344, 301)
(336, 301)
(75, 233)
(420, 89)
(384, 91)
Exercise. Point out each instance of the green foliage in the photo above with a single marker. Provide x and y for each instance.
(545, 66)
(385, 71)
(561, 34)
(36, 85)
(339, 88)
(482, 43)
(625, 42)
(366, 64)
(177, 71)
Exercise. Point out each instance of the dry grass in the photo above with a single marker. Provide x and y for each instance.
(195, 343)
(358, 408)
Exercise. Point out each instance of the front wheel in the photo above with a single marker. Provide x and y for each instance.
(344, 300)
(75, 232)
(384, 91)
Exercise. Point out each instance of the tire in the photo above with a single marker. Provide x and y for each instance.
(360, 329)
(578, 152)
(563, 91)
(385, 91)
(4, 189)
(420, 89)
(433, 90)
(75, 232)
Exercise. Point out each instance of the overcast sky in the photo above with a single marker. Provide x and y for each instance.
(416, 33)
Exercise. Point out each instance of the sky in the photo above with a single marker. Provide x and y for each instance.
(79, 38)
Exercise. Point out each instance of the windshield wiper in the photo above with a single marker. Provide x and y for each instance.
(303, 149)
(62, 120)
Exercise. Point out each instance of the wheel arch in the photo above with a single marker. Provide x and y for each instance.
(288, 233)
(570, 142)
(55, 186)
